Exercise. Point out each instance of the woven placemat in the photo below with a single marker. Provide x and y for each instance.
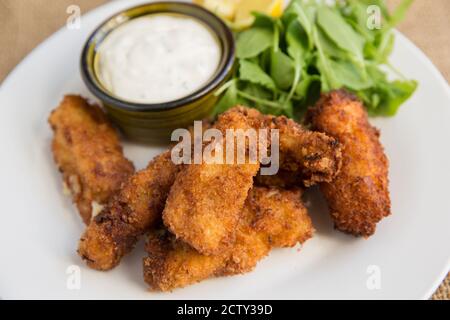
(24, 24)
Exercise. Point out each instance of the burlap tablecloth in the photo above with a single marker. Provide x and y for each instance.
(26, 23)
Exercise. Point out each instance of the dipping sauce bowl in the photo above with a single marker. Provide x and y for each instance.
(154, 122)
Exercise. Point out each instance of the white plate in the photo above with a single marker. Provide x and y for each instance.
(39, 226)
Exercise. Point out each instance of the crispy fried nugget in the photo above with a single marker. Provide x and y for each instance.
(283, 179)
(87, 151)
(313, 156)
(280, 215)
(132, 212)
(306, 157)
(174, 264)
(250, 245)
(205, 202)
(271, 217)
(358, 197)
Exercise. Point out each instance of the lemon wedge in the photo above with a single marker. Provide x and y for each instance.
(244, 17)
(238, 13)
(226, 9)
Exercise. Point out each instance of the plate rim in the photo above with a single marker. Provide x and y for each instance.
(409, 43)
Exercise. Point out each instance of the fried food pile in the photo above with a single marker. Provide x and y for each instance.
(203, 220)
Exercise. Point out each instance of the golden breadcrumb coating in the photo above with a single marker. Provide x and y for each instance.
(87, 150)
(132, 212)
(358, 197)
(249, 247)
(305, 156)
(205, 202)
(281, 216)
(271, 217)
(283, 179)
(174, 264)
(311, 157)
(314, 156)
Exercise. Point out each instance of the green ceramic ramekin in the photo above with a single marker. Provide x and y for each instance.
(155, 122)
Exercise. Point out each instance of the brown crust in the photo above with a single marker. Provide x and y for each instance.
(358, 197)
(271, 217)
(173, 264)
(87, 150)
(283, 179)
(281, 216)
(311, 157)
(205, 202)
(208, 225)
(133, 211)
(314, 156)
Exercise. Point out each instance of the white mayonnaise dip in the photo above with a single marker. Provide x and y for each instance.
(157, 58)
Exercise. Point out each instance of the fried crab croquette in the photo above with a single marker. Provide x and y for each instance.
(283, 179)
(271, 217)
(87, 150)
(205, 202)
(132, 212)
(313, 156)
(280, 215)
(306, 156)
(358, 197)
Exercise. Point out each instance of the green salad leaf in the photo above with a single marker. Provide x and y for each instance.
(284, 64)
(340, 32)
(282, 69)
(252, 42)
(253, 73)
